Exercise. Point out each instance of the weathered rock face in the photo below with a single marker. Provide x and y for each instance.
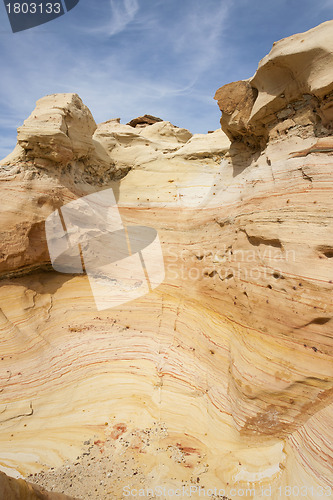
(56, 160)
(59, 129)
(17, 489)
(282, 188)
(58, 133)
(143, 121)
(223, 375)
(292, 87)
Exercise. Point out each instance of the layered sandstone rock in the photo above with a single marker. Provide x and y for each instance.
(56, 160)
(59, 133)
(292, 87)
(221, 377)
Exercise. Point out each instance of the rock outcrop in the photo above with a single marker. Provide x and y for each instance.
(292, 87)
(282, 188)
(222, 377)
(143, 121)
(58, 133)
(56, 159)
(17, 489)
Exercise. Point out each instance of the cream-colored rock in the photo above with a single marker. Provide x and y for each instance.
(165, 132)
(222, 377)
(165, 156)
(56, 160)
(58, 136)
(296, 71)
(124, 145)
(60, 129)
(204, 146)
(300, 64)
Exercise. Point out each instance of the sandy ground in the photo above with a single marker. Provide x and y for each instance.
(105, 467)
(93, 475)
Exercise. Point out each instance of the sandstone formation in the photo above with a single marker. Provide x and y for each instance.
(59, 133)
(292, 87)
(143, 121)
(17, 489)
(222, 377)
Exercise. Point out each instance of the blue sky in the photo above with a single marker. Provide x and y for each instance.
(130, 57)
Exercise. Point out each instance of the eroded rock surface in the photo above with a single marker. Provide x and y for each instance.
(292, 87)
(17, 489)
(143, 121)
(223, 375)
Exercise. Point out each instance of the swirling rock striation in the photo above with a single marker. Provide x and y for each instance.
(222, 376)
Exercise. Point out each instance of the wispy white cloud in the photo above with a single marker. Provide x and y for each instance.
(118, 15)
(200, 31)
(122, 13)
(157, 75)
(130, 57)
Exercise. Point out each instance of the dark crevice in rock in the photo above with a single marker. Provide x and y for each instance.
(326, 251)
(260, 240)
